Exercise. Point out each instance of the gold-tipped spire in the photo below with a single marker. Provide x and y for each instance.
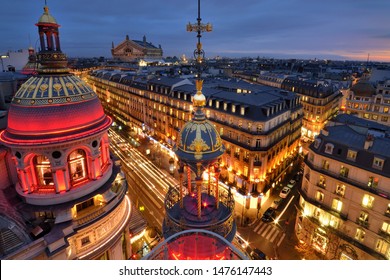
(199, 98)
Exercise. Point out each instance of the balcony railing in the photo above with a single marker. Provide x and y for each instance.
(321, 185)
(362, 223)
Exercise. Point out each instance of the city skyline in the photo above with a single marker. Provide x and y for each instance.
(342, 30)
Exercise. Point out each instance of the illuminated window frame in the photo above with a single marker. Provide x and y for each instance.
(43, 172)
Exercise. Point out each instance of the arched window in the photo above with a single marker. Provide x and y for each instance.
(43, 171)
(77, 166)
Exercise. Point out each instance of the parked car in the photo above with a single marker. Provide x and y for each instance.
(291, 184)
(276, 203)
(284, 192)
(268, 215)
(257, 254)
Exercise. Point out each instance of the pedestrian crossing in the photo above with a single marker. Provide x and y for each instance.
(270, 232)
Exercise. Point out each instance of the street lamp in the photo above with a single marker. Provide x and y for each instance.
(2, 63)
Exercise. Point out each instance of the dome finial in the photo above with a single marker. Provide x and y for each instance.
(199, 98)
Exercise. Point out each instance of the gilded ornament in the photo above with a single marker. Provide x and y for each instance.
(70, 86)
(57, 87)
(43, 88)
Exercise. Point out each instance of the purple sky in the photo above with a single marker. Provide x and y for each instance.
(331, 29)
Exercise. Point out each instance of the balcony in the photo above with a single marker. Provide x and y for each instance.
(322, 185)
(384, 234)
(363, 223)
(339, 193)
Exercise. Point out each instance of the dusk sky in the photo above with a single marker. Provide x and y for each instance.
(331, 29)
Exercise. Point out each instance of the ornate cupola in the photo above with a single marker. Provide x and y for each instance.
(50, 56)
(199, 203)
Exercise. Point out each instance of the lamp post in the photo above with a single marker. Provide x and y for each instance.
(2, 63)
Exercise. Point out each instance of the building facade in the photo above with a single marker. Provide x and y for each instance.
(369, 102)
(344, 208)
(320, 101)
(131, 50)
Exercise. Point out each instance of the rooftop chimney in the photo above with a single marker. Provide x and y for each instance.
(369, 141)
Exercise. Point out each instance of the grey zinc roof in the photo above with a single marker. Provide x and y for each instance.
(343, 137)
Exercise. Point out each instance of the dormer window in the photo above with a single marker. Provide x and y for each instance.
(329, 148)
(233, 108)
(242, 112)
(224, 106)
(378, 163)
(210, 103)
(317, 143)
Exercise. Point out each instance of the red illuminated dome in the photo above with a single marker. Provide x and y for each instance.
(54, 108)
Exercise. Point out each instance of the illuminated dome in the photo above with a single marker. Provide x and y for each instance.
(54, 106)
(363, 88)
(199, 140)
(46, 17)
(54, 109)
(195, 245)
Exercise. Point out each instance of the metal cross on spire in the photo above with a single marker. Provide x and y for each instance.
(199, 27)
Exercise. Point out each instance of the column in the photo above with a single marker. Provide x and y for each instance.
(55, 180)
(189, 179)
(67, 179)
(217, 172)
(199, 197)
(42, 41)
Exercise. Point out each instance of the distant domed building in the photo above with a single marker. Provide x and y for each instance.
(67, 199)
(132, 50)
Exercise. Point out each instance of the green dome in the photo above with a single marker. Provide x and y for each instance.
(46, 17)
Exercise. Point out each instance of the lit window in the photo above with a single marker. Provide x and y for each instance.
(319, 196)
(242, 112)
(225, 105)
(340, 190)
(388, 209)
(325, 164)
(320, 241)
(322, 182)
(77, 166)
(360, 233)
(344, 171)
(386, 227)
(351, 155)
(233, 108)
(337, 204)
(363, 219)
(372, 182)
(383, 247)
(43, 171)
(217, 104)
(378, 163)
(368, 201)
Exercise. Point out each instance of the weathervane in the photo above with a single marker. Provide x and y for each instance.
(199, 27)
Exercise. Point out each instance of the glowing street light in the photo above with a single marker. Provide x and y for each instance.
(2, 63)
